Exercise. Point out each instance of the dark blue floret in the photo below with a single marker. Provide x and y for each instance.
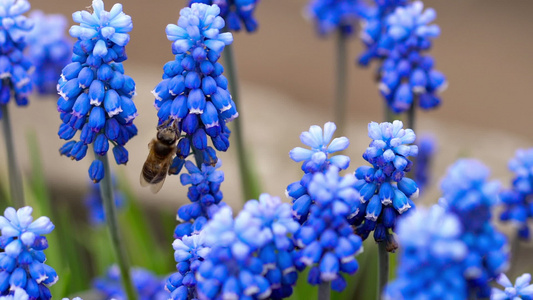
(236, 13)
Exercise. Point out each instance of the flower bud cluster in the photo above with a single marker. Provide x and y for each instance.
(398, 37)
(15, 68)
(193, 95)
(385, 192)
(95, 94)
(22, 258)
(235, 12)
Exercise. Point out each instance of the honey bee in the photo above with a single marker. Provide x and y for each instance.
(162, 150)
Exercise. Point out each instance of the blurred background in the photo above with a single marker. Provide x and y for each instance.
(287, 80)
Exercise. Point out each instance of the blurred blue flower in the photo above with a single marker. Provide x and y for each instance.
(326, 239)
(16, 294)
(431, 258)
(426, 151)
(316, 159)
(470, 196)
(48, 49)
(250, 256)
(331, 15)
(22, 260)
(385, 192)
(147, 285)
(193, 95)
(93, 203)
(235, 12)
(398, 37)
(95, 95)
(522, 289)
(15, 68)
(517, 204)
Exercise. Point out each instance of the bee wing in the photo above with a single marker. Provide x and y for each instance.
(156, 187)
(154, 175)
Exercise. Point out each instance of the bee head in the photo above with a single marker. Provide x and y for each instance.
(167, 135)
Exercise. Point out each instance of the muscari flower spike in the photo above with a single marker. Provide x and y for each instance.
(189, 253)
(406, 75)
(517, 203)
(48, 49)
(316, 159)
(522, 289)
(15, 68)
(469, 195)
(326, 239)
(205, 195)
(22, 260)
(331, 15)
(385, 192)
(95, 94)
(94, 204)
(147, 285)
(193, 95)
(251, 257)
(235, 12)
(431, 257)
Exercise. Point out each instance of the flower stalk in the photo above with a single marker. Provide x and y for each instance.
(15, 182)
(340, 88)
(383, 268)
(249, 178)
(106, 190)
(324, 290)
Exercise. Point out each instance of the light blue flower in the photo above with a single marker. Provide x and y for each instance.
(326, 239)
(316, 159)
(17, 294)
(469, 194)
(250, 256)
(522, 289)
(22, 260)
(431, 257)
(15, 26)
(49, 50)
(95, 94)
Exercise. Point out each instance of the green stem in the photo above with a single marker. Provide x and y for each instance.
(249, 181)
(411, 114)
(383, 268)
(340, 88)
(106, 191)
(324, 291)
(15, 182)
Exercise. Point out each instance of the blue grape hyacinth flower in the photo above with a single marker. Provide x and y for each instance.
(235, 12)
(331, 15)
(517, 204)
(22, 260)
(522, 289)
(251, 256)
(431, 258)
(204, 193)
(193, 95)
(95, 94)
(15, 67)
(16, 294)
(469, 195)
(326, 240)
(385, 192)
(316, 159)
(49, 50)
(147, 285)
(189, 253)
